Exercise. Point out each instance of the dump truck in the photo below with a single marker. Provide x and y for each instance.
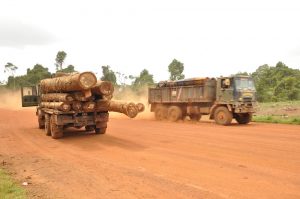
(74, 100)
(223, 99)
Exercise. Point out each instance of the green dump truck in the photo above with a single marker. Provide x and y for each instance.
(223, 99)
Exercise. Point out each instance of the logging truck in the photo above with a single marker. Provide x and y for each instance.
(223, 99)
(74, 100)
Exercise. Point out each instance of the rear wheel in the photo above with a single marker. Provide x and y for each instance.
(243, 118)
(89, 128)
(100, 130)
(174, 113)
(161, 113)
(223, 116)
(56, 130)
(41, 120)
(47, 125)
(195, 117)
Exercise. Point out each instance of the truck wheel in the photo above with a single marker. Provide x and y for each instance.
(161, 113)
(195, 117)
(174, 113)
(222, 116)
(56, 131)
(41, 123)
(100, 130)
(89, 128)
(243, 118)
(41, 120)
(47, 125)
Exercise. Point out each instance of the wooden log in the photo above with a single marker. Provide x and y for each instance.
(89, 106)
(128, 109)
(80, 96)
(103, 88)
(62, 106)
(102, 105)
(140, 107)
(73, 82)
(61, 74)
(57, 97)
(77, 106)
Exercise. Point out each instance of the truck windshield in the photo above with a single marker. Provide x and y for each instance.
(244, 83)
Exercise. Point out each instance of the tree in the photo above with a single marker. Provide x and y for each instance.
(108, 75)
(37, 73)
(176, 69)
(277, 83)
(69, 69)
(11, 68)
(60, 58)
(144, 79)
(32, 77)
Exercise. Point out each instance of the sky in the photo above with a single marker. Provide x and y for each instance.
(212, 38)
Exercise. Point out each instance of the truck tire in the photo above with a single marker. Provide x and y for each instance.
(100, 130)
(41, 120)
(174, 113)
(243, 118)
(195, 117)
(161, 113)
(47, 125)
(56, 131)
(222, 116)
(89, 128)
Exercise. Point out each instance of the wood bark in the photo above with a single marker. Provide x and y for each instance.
(129, 109)
(73, 82)
(89, 106)
(103, 88)
(61, 106)
(77, 106)
(57, 97)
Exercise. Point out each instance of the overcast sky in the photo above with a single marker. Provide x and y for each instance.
(211, 38)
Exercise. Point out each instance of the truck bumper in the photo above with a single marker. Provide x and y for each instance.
(82, 119)
(244, 107)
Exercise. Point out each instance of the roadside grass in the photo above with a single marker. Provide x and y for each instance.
(276, 119)
(9, 189)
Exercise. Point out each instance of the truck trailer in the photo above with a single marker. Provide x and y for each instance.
(74, 100)
(223, 99)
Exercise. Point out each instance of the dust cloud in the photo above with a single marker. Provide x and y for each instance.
(128, 95)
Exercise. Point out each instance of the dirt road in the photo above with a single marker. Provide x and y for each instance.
(149, 159)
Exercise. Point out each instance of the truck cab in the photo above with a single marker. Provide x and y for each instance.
(30, 96)
(235, 98)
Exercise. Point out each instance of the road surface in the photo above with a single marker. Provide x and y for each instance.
(149, 159)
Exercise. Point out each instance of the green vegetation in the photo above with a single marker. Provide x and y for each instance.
(9, 189)
(176, 69)
(32, 77)
(273, 83)
(108, 75)
(60, 58)
(279, 83)
(277, 119)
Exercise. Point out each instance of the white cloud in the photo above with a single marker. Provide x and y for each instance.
(16, 34)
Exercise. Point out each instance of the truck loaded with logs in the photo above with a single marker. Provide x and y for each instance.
(223, 99)
(75, 100)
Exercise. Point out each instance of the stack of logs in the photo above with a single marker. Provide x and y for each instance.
(82, 92)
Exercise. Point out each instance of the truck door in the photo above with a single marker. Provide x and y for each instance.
(30, 96)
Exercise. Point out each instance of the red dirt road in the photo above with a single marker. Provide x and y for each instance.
(149, 159)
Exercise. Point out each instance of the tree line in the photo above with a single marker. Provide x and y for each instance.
(273, 83)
